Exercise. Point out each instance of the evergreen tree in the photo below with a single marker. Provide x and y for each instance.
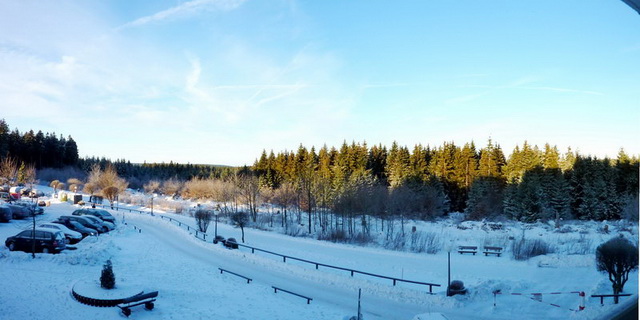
(107, 278)
(491, 161)
(4, 138)
(485, 198)
(70, 152)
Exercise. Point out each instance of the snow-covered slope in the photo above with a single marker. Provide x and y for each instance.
(184, 270)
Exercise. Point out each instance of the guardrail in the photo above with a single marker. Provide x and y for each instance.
(352, 271)
(615, 296)
(235, 274)
(275, 290)
(203, 236)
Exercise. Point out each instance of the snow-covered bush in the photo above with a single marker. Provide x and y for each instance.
(525, 248)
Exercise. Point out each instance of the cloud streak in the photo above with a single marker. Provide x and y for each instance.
(185, 10)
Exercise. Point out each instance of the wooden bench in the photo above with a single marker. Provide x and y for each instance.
(468, 249)
(492, 250)
(275, 290)
(144, 298)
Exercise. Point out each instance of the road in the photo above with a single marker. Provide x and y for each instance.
(321, 286)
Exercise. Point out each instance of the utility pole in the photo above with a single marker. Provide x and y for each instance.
(359, 308)
(448, 272)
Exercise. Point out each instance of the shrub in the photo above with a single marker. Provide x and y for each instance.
(617, 257)
(107, 278)
(397, 243)
(428, 242)
(525, 249)
(335, 235)
(203, 218)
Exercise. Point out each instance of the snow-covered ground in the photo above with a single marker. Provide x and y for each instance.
(165, 257)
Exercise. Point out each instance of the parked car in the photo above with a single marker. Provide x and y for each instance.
(32, 206)
(109, 226)
(77, 226)
(35, 193)
(8, 197)
(16, 189)
(218, 239)
(87, 223)
(46, 241)
(19, 212)
(5, 213)
(100, 213)
(72, 236)
(231, 243)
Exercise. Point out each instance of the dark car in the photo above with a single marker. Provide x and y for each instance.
(5, 213)
(102, 214)
(46, 241)
(77, 226)
(19, 212)
(86, 222)
(218, 239)
(231, 243)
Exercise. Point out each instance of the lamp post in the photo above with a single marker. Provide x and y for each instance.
(216, 225)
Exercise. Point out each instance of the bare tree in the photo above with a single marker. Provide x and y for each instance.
(240, 220)
(284, 197)
(172, 187)
(75, 184)
(54, 184)
(106, 181)
(203, 218)
(8, 171)
(617, 257)
(152, 186)
(111, 193)
(89, 188)
(197, 188)
(249, 187)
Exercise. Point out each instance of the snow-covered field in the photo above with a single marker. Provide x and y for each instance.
(165, 257)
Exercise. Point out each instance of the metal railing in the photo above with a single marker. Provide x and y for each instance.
(203, 236)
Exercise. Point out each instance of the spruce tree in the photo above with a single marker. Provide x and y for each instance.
(107, 278)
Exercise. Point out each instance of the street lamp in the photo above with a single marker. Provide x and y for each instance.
(215, 213)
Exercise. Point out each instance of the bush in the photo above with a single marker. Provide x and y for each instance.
(428, 242)
(203, 218)
(525, 249)
(397, 243)
(107, 279)
(334, 236)
(617, 257)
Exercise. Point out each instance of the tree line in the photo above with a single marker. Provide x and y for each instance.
(426, 182)
(41, 150)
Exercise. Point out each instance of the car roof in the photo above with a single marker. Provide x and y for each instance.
(47, 229)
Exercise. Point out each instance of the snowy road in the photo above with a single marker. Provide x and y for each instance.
(333, 291)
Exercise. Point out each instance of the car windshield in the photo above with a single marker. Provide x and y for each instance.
(77, 224)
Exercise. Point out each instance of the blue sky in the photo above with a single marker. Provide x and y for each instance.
(217, 81)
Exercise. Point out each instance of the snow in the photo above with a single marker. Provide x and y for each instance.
(167, 258)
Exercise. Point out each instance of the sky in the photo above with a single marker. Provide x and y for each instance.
(218, 81)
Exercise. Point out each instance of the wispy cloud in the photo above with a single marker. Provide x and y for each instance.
(185, 10)
(521, 83)
(563, 90)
